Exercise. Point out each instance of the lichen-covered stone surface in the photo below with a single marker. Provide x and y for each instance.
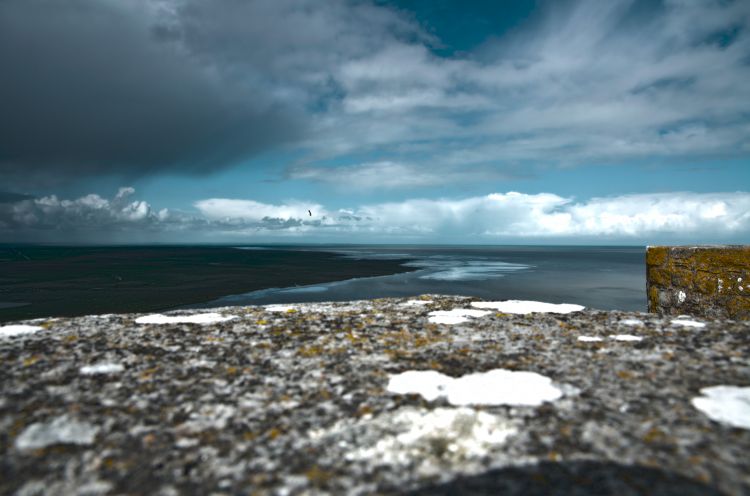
(711, 281)
(305, 399)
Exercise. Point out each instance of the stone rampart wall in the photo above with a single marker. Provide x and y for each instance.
(710, 281)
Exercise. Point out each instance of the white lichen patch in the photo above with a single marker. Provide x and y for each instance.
(325, 308)
(186, 442)
(102, 368)
(428, 440)
(631, 322)
(681, 296)
(61, 430)
(18, 330)
(430, 384)
(728, 405)
(625, 337)
(494, 387)
(525, 307)
(416, 303)
(279, 308)
(589, 339)
(215, 416)
(455, 316)
(201, 318)
(688, 323)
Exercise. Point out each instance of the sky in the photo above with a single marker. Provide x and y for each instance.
(375, 121)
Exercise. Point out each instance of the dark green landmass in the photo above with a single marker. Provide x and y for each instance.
(42, 281)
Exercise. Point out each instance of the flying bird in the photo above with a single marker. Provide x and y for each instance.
(309, 213)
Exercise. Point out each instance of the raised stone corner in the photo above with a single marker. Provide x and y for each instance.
(707, 281)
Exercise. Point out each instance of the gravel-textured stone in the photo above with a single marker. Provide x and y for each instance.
(295, 400)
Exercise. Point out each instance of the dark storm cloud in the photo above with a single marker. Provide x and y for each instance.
(97, 87)
(89, 87)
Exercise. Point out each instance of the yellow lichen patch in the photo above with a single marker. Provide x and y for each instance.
(406, 339)
(70, 339)
(233, 370)
(722, 258)
(274, 432)
(653, 299)
(213, 339)
(625, 375)
(148, 439)
(310, 351)
(27, 362)
(291, 310)
(397, 354)
(654, 435)
(47, 324)
(683, 278)
(706, 283)
(364, 410)
(262, 322)
(656, 255)
(148, 374)
(249, 436)
(420, 341)
(739, 307)
(434, 364)
(659, 276)
(704, 477)
(318, 476)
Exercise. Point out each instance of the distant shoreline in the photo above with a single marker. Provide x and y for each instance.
(55, 281)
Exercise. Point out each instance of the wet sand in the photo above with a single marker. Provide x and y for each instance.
(71, 281)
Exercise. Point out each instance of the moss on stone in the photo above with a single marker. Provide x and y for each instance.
(656, 255)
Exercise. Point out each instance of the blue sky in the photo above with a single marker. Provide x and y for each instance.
(391, 121)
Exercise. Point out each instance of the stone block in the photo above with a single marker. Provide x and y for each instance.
(710, 281)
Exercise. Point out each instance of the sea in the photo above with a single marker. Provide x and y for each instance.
(601, 277)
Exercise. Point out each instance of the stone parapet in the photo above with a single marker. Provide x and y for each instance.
(709, 281)
(431, 395)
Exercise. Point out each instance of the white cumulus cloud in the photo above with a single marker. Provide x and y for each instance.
(514, 216)
(252, 211)
(87, 212)
(510, 217)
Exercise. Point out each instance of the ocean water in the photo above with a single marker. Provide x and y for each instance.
(607, 278)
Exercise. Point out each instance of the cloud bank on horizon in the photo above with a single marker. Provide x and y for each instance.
(339, 99)
(498, 217)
